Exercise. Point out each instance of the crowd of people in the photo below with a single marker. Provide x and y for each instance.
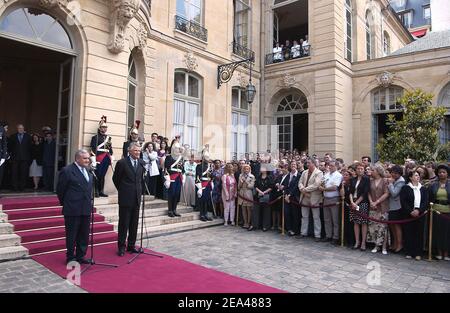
(383, 205)
(291, 50)
(31, 157)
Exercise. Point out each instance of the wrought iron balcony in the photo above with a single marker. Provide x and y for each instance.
(243, 51)
(190, 27)
(288, 54)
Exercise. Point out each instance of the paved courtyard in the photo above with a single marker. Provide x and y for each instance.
(290, 264)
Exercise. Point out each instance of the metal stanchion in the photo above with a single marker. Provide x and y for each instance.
(342, 221)
(237, 213)
(430, 234)
(282, 215)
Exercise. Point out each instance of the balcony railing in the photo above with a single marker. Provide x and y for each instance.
(243, 51)
(190, 27)
(288, 54)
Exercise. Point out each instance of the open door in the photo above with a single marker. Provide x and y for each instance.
(64, 119)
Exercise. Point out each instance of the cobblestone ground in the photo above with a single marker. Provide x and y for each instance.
(28, 276)
(302, 265)
(290, 264)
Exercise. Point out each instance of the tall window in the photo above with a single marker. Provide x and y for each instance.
(132, 90)
(187, 109)
(240, 119)
(368, 37)
(190, 10)
(427, 13)
(384, 101)
(386, 44)
(406, 18)
(241, 21)
(348, 30)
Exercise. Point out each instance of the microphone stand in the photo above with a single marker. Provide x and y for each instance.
(141, 249)
(92, 260)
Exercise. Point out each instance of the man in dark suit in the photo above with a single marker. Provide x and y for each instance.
(292, 195)
(74, 193)
(3, 149)
(128, 178)
(20, 150)
(48, 160)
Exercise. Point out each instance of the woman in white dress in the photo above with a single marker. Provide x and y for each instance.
(150, 157)
(189, 184)
(36, 156)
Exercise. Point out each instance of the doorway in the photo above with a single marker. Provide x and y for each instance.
(36, 91)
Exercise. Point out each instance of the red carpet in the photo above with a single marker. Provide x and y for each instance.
(150, 274)
(39, 222)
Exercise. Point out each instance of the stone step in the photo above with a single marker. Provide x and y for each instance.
(154, 204)
(6, 228)
(13, 253)
(166, 229)
(165, 220)
(3, 217)
(9, 240)
(112, 215)
(114, 199)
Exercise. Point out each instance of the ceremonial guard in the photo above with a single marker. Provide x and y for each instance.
(134, 137)
(204, 184)
(174, 176)
(102, 156)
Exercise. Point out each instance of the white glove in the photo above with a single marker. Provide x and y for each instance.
(112, 158)
(167, 181)
(2, 161)
(93, 161)
(200, 193)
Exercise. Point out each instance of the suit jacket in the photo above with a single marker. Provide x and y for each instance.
(394, 191)
(407, 200)
(74, 192)
(20, 151)
(129, 182)
(279, 180)
(311, 186)
(48, 155)
(363, 188)
(292, 186)
(3, 144)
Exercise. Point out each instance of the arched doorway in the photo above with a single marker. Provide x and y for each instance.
(37, 62)
(291, 118)
(384, 102)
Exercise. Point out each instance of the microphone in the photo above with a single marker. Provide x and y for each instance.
(92, 171)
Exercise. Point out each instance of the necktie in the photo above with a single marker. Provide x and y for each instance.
(85, 174)
(135, 165)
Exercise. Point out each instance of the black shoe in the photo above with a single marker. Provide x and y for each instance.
(170, 214)
(133, 251)
(264, 229)
(250, 228)
(325, 240)
(84, 261)
(121, 252)
(291, 233)
(68, 260)
(103, 195)
(203, 219)
(176, 214)
(318, 240)
(209, 219)
(335, 242)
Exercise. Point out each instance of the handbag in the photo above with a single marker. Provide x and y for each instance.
(264, 199)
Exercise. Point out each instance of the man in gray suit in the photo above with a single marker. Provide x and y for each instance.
(396, 183)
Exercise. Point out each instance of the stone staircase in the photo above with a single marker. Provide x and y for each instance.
(31, 228)
(156, 221)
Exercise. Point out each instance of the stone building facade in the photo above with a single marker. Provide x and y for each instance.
(66, 63)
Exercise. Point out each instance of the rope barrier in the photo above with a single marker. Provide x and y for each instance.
(260, 203)
(440, 214)
(405, 221)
